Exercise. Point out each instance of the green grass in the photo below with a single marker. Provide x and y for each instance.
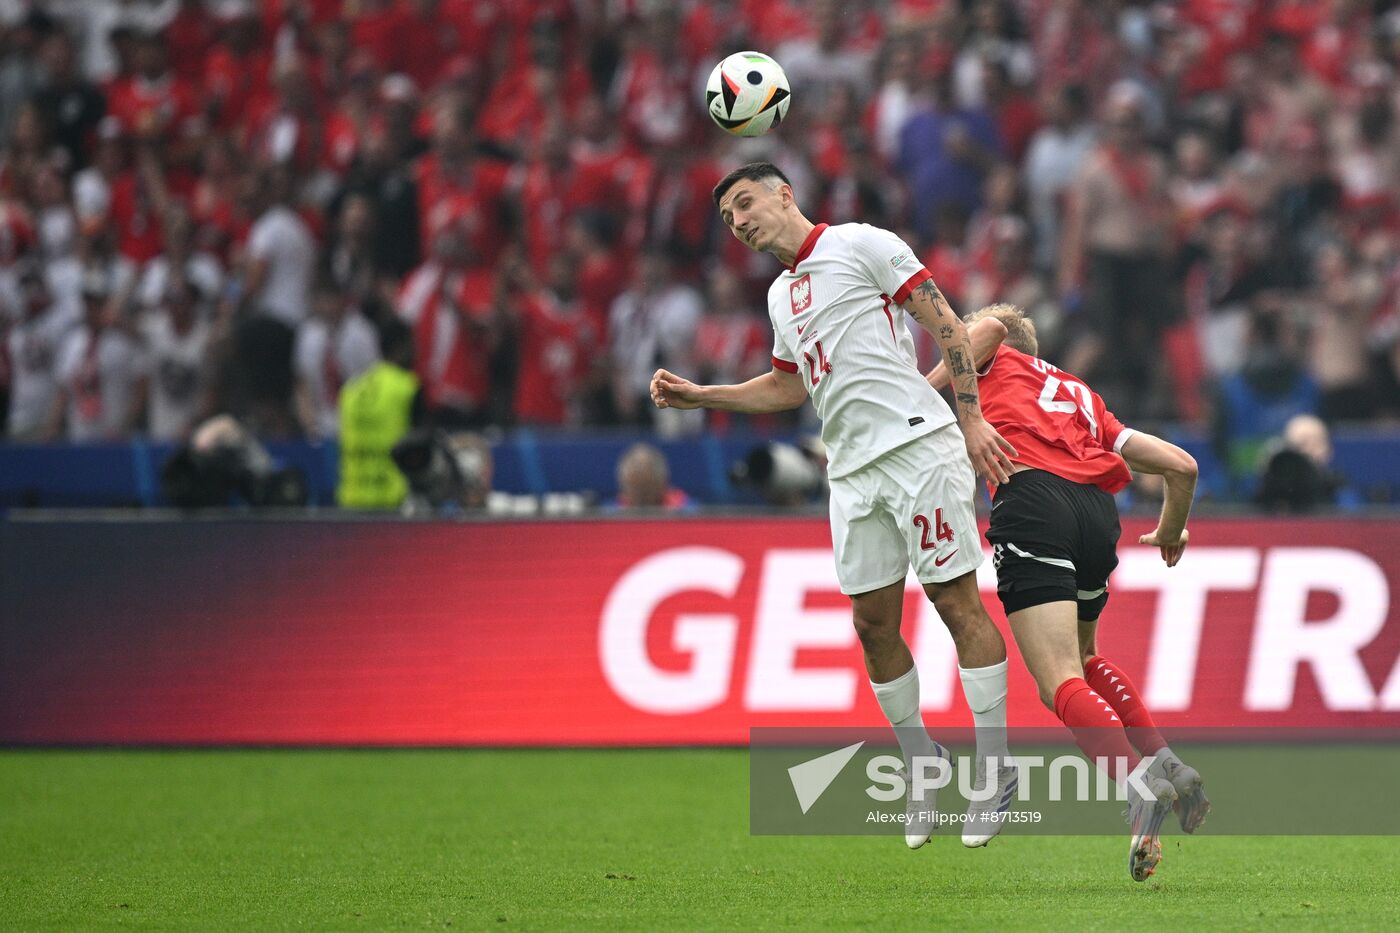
(564, 839)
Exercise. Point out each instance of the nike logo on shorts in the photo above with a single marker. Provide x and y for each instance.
(940, 561)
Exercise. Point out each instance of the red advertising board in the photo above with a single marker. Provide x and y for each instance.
(625, 632)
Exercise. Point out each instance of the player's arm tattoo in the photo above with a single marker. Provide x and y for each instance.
(927, 290)
(958, 363)
(931, 310)
(964, 378)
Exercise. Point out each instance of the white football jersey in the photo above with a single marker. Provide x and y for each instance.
(837, 322)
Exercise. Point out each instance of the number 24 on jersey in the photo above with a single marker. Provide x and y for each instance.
(819, 366)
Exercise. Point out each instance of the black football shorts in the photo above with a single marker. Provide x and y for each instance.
(1053, 540)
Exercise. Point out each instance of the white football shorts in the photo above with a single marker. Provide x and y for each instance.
(913, 504)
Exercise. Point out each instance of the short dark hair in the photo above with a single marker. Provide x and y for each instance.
(396, 342)
(753, 171)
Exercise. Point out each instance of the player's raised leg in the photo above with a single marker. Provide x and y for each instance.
(895, 680)
(1047, 637)
(1111, 683)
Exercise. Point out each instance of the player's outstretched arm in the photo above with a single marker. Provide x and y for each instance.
(986, 335)
(773, 391)
(987, 449)
(1146, 453)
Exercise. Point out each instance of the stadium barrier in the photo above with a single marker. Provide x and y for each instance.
(623, 632)
(535, 463)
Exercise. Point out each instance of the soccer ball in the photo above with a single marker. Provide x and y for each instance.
(747, 94)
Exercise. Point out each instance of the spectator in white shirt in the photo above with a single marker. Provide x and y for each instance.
(177, 333)
(180, 260)
(1056, 153)
(92, 186)
(33, 345)
(818, 65)
(281, 253)
(101, 373)
(333, 346)
(94, 258)
(652, 326)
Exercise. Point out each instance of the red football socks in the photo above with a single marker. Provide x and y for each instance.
(1097, 729)
(1109, 681)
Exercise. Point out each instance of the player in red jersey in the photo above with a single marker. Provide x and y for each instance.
(1054, 534)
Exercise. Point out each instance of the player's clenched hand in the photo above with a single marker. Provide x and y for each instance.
(671, 391)
(1171, 550)
(989, 452)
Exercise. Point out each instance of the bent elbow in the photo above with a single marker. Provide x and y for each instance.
(1184, 467)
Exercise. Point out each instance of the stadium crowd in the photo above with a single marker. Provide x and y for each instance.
(214, 205)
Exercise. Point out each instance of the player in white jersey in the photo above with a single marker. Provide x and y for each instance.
(902, 485)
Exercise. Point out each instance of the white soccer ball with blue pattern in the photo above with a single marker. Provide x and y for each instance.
(747, 94)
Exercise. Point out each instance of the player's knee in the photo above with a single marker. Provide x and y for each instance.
(875, 630)
(1049, 680)
(959, 607)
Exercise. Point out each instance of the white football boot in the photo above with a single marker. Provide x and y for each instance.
(984, 816)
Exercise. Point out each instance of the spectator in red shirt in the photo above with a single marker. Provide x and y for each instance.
(603, 272)
(542, 195)
(947, 259)
(1016, 112)
(154, 103)
(430, 33)
(289, 128)
(652, 89)
(1330, 49)
(215, 201)
(678, 212)
(514, 111)
(559, 343)
(1074, 43)
(1011, 278)
(453, 177)
(137, 198)
(1001, 197)
(188, 36)
(613, 176)
(733, 342)
(374, 27)
(238, 69)
(449, 302)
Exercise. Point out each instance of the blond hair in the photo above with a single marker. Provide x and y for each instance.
(1020, 330)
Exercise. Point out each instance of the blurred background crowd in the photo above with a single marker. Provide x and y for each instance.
(222, 207)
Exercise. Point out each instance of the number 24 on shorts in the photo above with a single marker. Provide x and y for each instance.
(941, 530)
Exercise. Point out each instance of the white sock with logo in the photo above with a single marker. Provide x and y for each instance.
(899, 698)
(985, 689)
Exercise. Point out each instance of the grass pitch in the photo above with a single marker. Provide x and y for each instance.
(620, 840)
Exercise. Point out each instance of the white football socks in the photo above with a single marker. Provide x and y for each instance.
(985, 689)
(899, 698)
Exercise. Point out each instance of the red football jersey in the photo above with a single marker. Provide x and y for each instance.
(557, 342)
(1055, 421)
